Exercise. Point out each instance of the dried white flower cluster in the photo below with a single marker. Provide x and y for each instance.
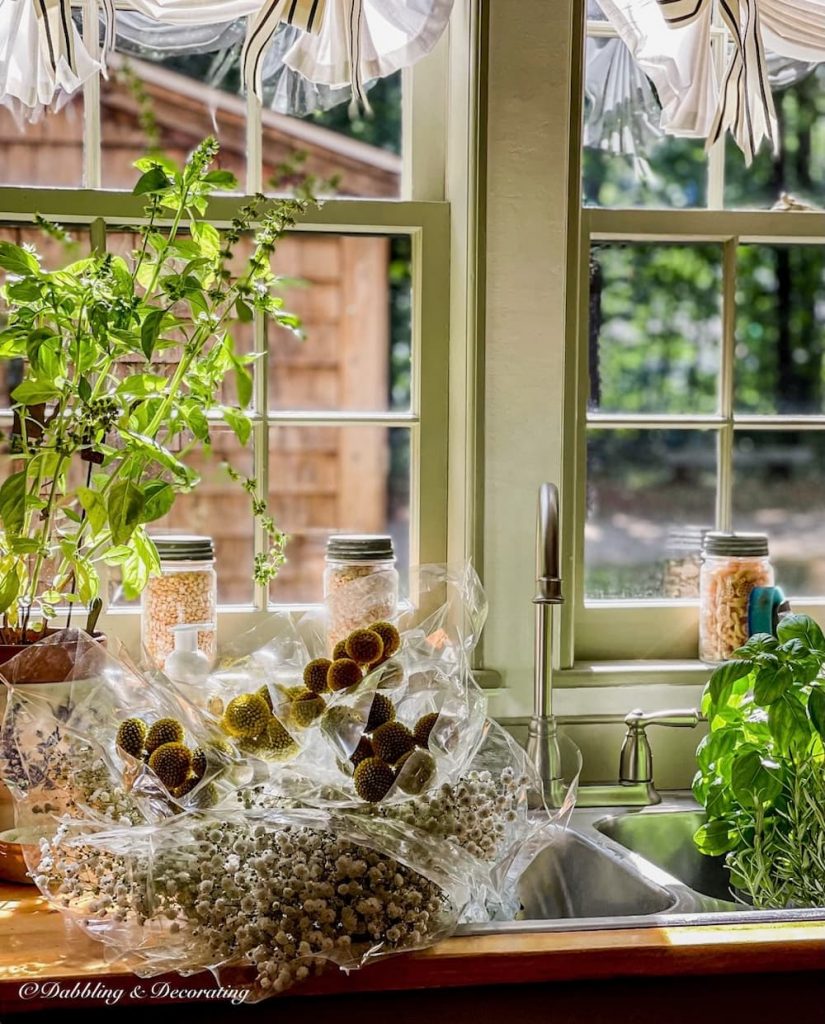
(475, 813)
(283, 899)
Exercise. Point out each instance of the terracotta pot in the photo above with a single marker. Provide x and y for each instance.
(53, 667)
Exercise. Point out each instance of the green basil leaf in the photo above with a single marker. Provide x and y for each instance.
(723, 678)
(94, 505)
(125, 507)
(86, 578)
(717, 744)
(159, 498)
(9, 589)
(771, 682)
(801, 627)
(816, 709)
(116, 555)
(142, 563)
(758, 643)
(242, 311)
(151, 181)
(789, 725)
(207, 237)
(17, 260)
(221, 179)
(142, 385)
(34, 392)
(717, 837)
(197, 422)
(239, 422)
(13, 502)
(149, 331)
(755, 780)
(243, 384)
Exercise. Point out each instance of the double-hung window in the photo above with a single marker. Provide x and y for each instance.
(696, 392)
(349, 425)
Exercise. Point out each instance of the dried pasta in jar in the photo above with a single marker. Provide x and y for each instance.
(733, 565)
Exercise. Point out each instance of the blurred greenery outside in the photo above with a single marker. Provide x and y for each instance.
(654, 347)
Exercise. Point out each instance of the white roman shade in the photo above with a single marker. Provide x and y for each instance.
(670, 39)
(336, 43)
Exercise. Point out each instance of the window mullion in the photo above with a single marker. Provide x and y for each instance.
(724, 467)
(91, 100)
(260, 442)
(254, 146)
(716, 153)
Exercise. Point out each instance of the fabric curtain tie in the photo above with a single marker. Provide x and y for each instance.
(56, 32)
(746, 104)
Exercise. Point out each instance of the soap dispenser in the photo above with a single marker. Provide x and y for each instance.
(186, 663)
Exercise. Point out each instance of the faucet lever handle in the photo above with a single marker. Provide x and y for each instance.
(682, 718)
(636, 758)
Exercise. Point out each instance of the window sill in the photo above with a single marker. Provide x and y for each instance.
(676, 672)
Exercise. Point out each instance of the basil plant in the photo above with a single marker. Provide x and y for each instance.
(761, 771)
(101, 437)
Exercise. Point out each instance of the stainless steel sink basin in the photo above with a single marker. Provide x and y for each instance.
(574, 877)
(614, 867)
(664, 837)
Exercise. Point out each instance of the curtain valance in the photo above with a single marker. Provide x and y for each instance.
(671, 40)
(336, 43)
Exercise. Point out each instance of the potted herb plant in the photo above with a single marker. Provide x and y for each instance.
(96, 453)
(761, 770)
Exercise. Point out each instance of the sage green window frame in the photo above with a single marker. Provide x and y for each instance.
(427, 224)
(660, 630)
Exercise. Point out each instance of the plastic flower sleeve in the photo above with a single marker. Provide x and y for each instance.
(276, 892)
(396, 809)
(67, 747)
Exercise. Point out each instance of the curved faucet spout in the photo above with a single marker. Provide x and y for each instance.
(548, 576)
(542, 742)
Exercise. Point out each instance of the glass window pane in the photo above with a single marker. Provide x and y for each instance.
(627, 160)
(643, 486)
(55, 254)
(126, 243)
(799, 167)
(780, 330)
(655, 328)
(325, 480)
(353, 298)
(220, 509)
(671, 174)
(163, 105)
(365, 158)
(779, 489)
(46, 154)
(172, 100)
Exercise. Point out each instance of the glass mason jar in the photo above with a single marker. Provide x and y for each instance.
(360, 583)
(185, 591)
(683, 562)
(733, 564)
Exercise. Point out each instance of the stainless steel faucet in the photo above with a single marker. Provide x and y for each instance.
(636, 758)
(635, 787)
(635, 783)
(542, 737)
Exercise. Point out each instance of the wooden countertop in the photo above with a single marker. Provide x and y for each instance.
(39, 946)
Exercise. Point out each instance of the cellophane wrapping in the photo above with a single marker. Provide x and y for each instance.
(271, 865)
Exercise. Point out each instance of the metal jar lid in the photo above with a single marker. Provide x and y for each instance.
(360, 547)
(740, 545)
(184, 547)
(686, 540)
